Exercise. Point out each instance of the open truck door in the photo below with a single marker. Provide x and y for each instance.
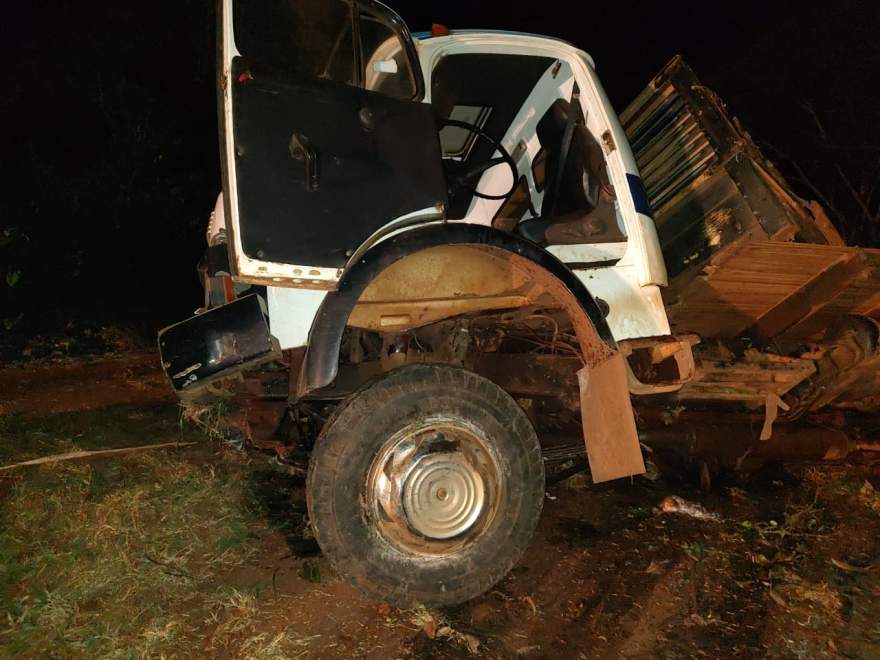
(324, 135)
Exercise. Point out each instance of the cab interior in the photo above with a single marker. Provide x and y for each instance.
(561, 193)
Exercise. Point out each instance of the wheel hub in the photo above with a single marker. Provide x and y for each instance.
(443, 495)
(433, 488)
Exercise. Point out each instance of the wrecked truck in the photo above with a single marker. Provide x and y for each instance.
(433, 264)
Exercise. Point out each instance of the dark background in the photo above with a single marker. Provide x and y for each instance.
(109, 109)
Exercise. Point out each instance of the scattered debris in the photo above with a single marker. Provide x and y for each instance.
(531, 603)
(696, 620)
(654, 567)
(846, 566)
(311, 571)
(426, 621)
(530, 648)
(779, 600)
(806, 595)
(577, 481)
(740, 494)
(869, 495)
(103, 453)
(758, 558)
(470, 642)
(772, 404)
(695, 550)
(652, 472)
(215, 419)
(435, 626)
(676, 504)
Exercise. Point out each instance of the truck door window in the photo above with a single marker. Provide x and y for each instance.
(585, 210)
(457, 142)
(490, 86)
(314, 39)
(386, 67)
(302, 38)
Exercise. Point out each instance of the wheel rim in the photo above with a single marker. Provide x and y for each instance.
(433, 488)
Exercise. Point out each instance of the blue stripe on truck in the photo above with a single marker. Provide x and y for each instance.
(639, 196)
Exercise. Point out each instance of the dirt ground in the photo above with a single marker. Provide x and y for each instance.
(205, 551)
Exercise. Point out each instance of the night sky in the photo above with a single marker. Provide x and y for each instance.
(109, 108)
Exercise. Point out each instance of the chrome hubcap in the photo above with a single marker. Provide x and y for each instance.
(443, 496)
(433, 487)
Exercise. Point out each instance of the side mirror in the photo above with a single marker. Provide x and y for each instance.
(385, 66)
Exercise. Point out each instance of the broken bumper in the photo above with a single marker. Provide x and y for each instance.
(219, 343)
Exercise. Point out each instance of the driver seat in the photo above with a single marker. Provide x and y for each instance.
(578, 205)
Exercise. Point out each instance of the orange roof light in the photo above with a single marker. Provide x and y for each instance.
(439, 30)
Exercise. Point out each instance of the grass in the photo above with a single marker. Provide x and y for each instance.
(176, 554)
(128, 557)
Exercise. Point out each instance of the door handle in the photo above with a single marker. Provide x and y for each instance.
(301, 150)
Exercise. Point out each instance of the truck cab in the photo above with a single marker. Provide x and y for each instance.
(446, 235)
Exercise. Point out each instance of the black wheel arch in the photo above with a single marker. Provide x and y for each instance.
(321, 361)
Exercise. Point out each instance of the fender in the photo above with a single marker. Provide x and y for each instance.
(325, 337)
(607, 417)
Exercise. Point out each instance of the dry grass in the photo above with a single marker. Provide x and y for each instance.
(127, 557)
(176, 553)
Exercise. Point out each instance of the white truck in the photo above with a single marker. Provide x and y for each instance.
(444, 242)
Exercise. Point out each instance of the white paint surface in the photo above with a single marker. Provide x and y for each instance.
(630, 287)
(291, 312)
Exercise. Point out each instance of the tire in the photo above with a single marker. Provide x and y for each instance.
(425, 486)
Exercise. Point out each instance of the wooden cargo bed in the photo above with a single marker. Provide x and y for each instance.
(749, 262)
(767, 289)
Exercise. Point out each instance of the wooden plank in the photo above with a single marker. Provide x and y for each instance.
(99, 453)
(824, 225)
(702, 222)
(860, 298)
(746, 282)
(749, 377)
(810, 298)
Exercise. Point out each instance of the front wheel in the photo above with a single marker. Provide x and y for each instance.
(426, 486)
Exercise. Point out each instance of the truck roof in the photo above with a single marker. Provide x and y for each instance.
(526, 36)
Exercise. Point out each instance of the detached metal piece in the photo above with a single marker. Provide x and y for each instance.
(217, 344)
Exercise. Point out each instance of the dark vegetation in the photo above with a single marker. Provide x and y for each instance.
(113, 167)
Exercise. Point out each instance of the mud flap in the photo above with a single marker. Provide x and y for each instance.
(608, 421)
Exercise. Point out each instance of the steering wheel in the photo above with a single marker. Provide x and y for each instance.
(469, 178)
